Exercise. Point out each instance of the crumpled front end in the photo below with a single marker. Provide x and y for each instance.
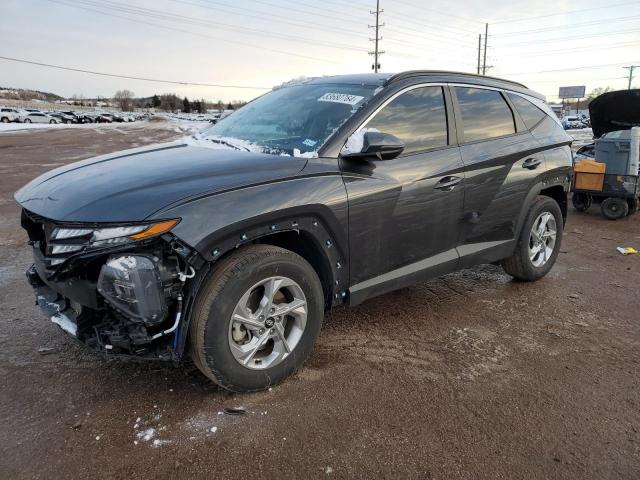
(115, 288)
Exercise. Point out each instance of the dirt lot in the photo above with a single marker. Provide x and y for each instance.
(468, 376)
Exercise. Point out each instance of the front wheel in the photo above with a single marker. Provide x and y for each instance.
(27, 120)
(52, 121)
(256, 318)
(539, 242)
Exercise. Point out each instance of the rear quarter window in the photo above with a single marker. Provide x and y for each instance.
(485, 114)
(530, 114)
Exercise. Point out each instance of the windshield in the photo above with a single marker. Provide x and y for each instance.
(293, 120)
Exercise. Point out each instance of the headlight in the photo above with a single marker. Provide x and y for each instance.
(132, 284)
(67, 240)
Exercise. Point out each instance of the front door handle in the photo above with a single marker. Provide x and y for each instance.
(531, 163)
(447, 184)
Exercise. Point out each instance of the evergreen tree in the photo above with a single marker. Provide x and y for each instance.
(155, 101)
(186, 106)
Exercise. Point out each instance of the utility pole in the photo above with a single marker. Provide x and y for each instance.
(631, 68)
(486, 37)
(479, 50)
(376, 53)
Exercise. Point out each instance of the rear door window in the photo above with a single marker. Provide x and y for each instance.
(417, 117)
(485, 114)
(530, 114)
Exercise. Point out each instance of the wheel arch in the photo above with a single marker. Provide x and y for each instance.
(309, 234)
(558, 193)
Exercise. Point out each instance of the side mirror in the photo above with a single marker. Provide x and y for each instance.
(373, 145)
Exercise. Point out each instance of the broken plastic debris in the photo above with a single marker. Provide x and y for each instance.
(214, 429)
(627, 250)
(234, 410)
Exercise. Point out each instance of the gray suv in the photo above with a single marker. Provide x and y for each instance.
(229, 246)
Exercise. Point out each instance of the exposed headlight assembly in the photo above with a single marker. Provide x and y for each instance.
(132, 284)
(68, 240)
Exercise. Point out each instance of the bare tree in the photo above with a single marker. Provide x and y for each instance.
(124, 99)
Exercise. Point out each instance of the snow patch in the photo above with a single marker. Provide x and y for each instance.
(218, 142)
(355, 143)
(147, 434)
(63, 322)
(299, 154)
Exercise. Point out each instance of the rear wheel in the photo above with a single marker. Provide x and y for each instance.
(581, 201)
(52, 121)
(5, 120)
(256, 318)
(634, 204)
(539, 242)
(27, 120)
(614, 208)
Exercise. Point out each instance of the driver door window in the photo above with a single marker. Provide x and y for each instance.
(417, 117)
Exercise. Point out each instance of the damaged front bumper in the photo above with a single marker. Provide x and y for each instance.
(125, 301)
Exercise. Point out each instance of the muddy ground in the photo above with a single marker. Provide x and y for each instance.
(470, 376)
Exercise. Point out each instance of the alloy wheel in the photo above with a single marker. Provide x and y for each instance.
(267, 323)
(542, 239)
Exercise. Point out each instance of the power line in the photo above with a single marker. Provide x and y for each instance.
(564, 26)
(422, 7)
(571, 50)
(163, 15)
(570, 38)
(271, 18)
(584, 67)
(189, 32)
(131, 77)
(522, 19)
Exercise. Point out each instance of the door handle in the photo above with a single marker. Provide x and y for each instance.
(447, 183)
(531, 163)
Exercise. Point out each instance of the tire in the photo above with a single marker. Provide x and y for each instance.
(5, 120)
(614, 208)
(581, 201)
(212, 333)
(521, 265)
(52, 122)
(27, 120)
(634, 204)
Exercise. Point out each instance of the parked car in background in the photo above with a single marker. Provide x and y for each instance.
(231, 245)
(103, 118)
(63, 117)
(39, 117)
(8, 115)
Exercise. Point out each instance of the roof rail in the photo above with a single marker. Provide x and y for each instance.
(418, 73)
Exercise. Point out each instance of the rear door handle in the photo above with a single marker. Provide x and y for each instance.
(447, 183)
(531, 163)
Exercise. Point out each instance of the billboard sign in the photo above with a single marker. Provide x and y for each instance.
(572, 92)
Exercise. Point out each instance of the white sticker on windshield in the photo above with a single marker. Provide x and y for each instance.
(310, 143)
(341, 98)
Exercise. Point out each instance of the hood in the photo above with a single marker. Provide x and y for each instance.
(133, 184)
(614, 111)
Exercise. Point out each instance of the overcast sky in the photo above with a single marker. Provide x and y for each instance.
(261, 43)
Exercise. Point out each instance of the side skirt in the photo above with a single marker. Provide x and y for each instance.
(440, 264)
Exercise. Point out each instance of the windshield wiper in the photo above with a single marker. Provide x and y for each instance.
(228, 144)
